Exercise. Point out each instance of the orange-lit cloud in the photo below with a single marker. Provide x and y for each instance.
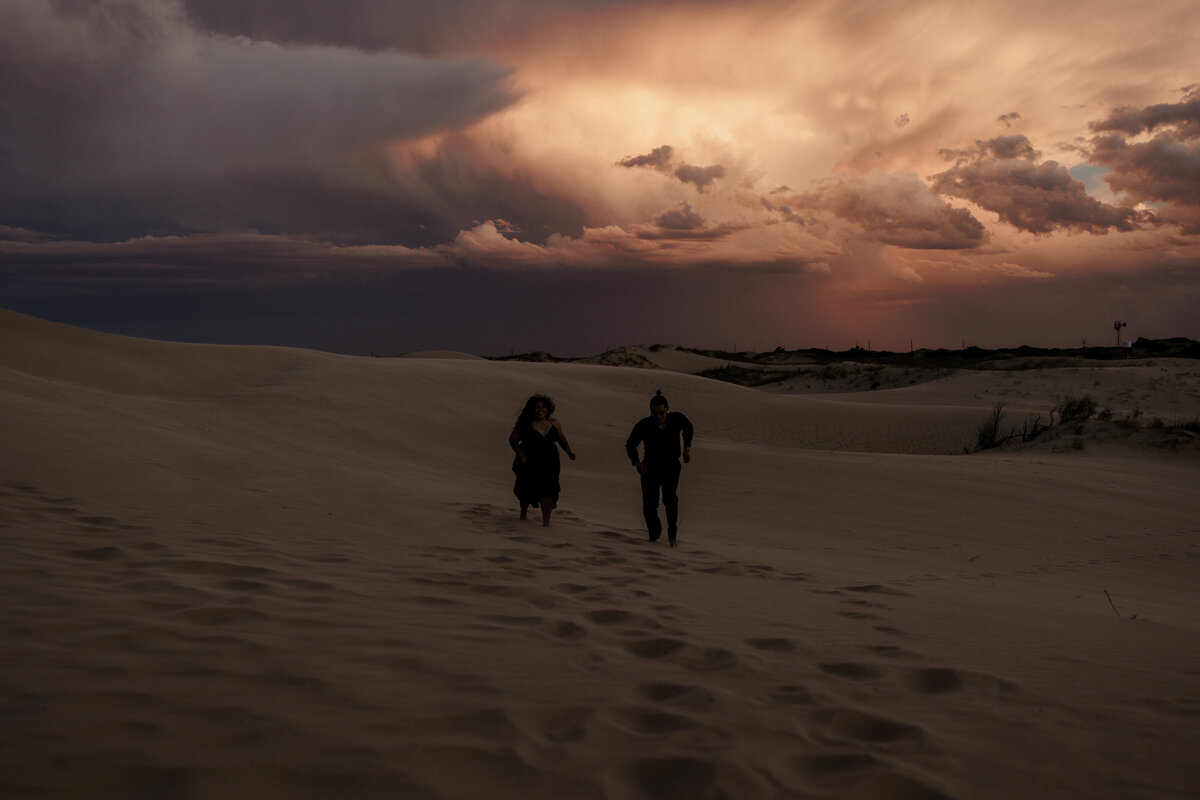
(889, 157)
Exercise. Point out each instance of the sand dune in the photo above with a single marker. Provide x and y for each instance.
(262, 572)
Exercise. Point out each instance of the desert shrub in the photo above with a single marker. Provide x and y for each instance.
(1034, 427)
(1193, 426)
(1133, 420)
(1076, 409)
(1105, 414)
(1157, 423)
(744, 376)
(833, 373)
(987, 435)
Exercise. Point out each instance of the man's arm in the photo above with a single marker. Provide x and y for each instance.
(631, 444)
(685, 425)
(686, 428)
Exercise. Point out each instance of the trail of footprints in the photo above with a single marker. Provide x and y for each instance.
(597, 592)
(842, 746)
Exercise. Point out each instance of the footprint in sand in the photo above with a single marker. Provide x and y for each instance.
(654, 722)
(864, 775)
(840, 724)
(850, 671)
(792, 695)
(654, 648)
(941, 680)
(219, 615)
(710, 659)
(564, 629)
(874, 588)
(773, 645)
(97, 554)
(678, 694)
(935, 680)
(901, 787)
(673, 778)
(892, 651)
(835, 765)
(890, 631)
(557, 726)
(616, 616)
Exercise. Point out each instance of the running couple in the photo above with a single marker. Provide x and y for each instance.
(536, 437)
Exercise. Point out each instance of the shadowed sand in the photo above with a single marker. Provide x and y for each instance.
(261, 572)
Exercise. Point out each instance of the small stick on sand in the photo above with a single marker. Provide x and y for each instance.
(1111, 603)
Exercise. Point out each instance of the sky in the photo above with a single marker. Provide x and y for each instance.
(500, 176)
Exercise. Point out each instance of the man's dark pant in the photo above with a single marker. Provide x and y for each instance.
(664, 479)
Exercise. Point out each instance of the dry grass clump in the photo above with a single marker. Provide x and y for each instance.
(1073, 411)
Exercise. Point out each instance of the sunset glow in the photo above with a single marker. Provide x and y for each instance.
(815, 173)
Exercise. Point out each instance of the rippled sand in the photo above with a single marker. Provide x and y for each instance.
(255, 572)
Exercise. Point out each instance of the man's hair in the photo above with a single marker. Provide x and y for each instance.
(658, 400)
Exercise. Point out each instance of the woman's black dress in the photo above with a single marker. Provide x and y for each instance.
(538, 476)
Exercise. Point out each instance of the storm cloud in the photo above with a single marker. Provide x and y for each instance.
(331, 153)
(898, 210)
(120, 118)
(1004, 176)
(1164, 168)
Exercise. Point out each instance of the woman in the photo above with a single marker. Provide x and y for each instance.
(535, 439)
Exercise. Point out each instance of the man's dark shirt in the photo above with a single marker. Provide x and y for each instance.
(662, 445)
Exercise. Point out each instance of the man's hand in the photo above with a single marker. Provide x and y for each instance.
(641, 467)
(687, 455)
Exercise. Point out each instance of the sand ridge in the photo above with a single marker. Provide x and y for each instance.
(269, 572)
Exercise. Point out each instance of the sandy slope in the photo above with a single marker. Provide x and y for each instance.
(256, 572)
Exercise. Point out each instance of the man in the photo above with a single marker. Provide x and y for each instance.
(659, 467)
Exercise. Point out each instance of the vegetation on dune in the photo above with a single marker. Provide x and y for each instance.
(1073, 413)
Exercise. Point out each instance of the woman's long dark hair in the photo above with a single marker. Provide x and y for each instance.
(525, 418)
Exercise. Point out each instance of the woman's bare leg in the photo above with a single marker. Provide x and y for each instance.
(547, 508)
(524, 510)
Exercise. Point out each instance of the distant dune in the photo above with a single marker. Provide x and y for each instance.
(438, 354)
(246, 572)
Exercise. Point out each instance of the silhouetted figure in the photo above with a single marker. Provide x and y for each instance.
(659, 435)
(535, 439)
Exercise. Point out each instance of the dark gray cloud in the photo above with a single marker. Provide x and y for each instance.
(1130, 121)
(898, 210)
(270, 290)
(1003, 175)
(1162, 169)
(1008, 119)
(121, 118)
(1003, 147)
(701, 177)
(662, 159)
(680, 219)
(417, 26)
(659, 158)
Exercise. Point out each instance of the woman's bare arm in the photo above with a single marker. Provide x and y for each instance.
(514, 441)
(562, 439)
